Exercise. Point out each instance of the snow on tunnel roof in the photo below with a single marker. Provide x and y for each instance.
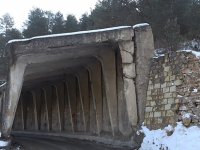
(71, 33)
(79, 32)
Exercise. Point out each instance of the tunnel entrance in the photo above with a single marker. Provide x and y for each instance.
(69, 95)
(91, 84)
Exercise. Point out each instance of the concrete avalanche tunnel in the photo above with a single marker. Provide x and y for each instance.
(87, 84)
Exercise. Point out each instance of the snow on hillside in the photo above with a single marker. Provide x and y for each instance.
(181, 138)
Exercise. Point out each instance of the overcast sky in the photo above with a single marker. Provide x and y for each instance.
(19, 9)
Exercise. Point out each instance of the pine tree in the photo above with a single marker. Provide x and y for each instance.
(7, 32)
(71, 24)
(37, 24)
(58, 23)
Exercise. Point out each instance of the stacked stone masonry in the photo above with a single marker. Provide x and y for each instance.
(173, 91)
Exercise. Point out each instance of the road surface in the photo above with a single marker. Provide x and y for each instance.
(52, 143)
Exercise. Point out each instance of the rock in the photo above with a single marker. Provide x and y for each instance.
(186, 119)
(183, 108)
(127, 46)
(129, 70)
(126, 57)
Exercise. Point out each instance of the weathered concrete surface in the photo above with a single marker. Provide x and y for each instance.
(145, 47)
(89, 83)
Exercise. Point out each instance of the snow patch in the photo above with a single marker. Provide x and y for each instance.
(140, 25)
(4, 143)
(159, 55)
(2, 84)
(169, 128)
(182, 138)
(72, 33)
(186, 115)
(197, 54)
(179, 96)
(195, 90)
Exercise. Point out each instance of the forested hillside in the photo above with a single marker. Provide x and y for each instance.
(172, 21)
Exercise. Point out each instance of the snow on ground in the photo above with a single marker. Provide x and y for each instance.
(182, 138)
(4, 143)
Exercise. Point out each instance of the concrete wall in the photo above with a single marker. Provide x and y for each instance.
(91, 83)
(173, 90)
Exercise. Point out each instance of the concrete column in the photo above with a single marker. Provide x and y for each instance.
(35, 109)
(82, 115)
(95, 76)
(19, 117)
(1, 103)
(15, 81)
(106, 124)
(144, 44)
(84, 89)
(124, 123)
(70, 108)
(38, 98)
(29, 111)
(22, 112)
(18, 122)
(129, 75)
(56, 121)
(109, 75)
(94, 124)
(61, 100)
(72, 87)
(45, 117)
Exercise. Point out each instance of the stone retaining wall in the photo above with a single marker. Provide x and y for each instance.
(173, 91)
